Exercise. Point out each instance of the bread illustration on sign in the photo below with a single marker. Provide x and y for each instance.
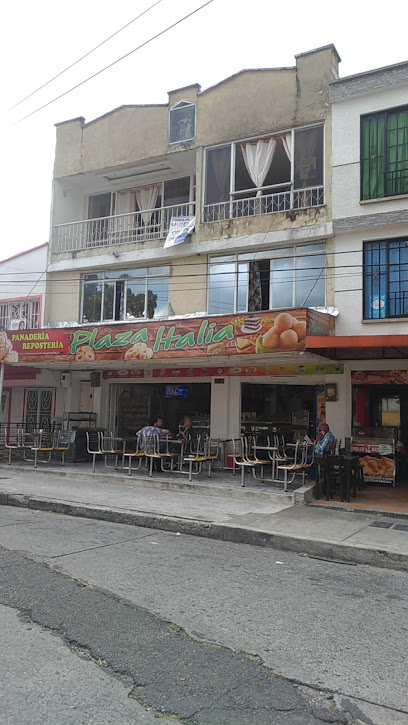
(286, 332)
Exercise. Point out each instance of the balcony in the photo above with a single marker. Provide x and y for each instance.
(273, 203)
(131, 228)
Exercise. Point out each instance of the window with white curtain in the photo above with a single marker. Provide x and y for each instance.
(264, 170)
(290, 277)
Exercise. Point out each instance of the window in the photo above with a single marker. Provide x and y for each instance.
(259, 177)
(126, 295)
(16, 312)
(182, 122)
(384, 154)
(385, 279)
(277, 279)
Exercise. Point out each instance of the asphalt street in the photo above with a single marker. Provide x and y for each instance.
(113, 623)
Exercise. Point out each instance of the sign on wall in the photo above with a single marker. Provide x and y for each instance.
(379, 377)
(227, 335)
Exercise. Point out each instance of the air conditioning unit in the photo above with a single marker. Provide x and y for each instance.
(66, 380)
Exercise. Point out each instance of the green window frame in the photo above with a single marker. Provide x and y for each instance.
(384, 154)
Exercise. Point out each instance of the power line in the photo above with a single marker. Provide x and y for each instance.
(174, 264)
(162, 32)
(84, 56)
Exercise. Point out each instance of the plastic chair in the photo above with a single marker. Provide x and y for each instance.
(44, 445)
(93, 446)
(244, 457)
(294, 467)
(13, 440)
(62, 443)
(111, 446)
(138, 454)
(203, 451)
(150, 445)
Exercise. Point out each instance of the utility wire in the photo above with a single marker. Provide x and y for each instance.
(84, 56)
(162, 32)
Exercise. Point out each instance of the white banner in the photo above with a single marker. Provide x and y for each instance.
(180, 227)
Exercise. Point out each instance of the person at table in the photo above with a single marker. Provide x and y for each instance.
(158, 423)
(187, 433)
(325, 440)
(149, 437)
(148, 433)
(324, 444)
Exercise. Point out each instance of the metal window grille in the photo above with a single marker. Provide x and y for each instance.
(28, 310)
(38, 409)
(385, 280)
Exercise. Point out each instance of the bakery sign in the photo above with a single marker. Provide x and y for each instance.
(246, 334)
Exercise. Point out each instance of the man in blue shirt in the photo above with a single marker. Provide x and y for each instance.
(327, 440)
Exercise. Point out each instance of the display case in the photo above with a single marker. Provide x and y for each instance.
(75, 420)
(375, 448)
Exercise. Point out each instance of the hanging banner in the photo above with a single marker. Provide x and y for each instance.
(379, 377)
(227, 335)
(180, 227)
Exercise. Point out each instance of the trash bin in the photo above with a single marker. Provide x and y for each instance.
(79, 452)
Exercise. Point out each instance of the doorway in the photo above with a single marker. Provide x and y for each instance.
(137, 403)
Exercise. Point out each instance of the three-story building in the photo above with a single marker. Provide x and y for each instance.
(145, 319)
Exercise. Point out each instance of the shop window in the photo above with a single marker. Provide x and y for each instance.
(126, 295)
(254, 177)
(384, 154)
(385, 279)
(278, 279)
(182, 122)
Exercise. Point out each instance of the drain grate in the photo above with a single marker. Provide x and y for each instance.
(381, 524)
(401, 527)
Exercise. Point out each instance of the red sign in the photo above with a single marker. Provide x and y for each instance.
(379, 377)
(246, 334)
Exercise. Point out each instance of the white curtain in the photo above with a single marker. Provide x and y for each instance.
(125, 202)
(287, 144)
(258, 157)
(146, 200)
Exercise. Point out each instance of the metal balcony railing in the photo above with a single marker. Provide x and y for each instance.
(273, 203)
(138, 226)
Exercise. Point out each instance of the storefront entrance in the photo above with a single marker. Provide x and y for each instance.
(137, 403)
(381, 412)
(286, 409)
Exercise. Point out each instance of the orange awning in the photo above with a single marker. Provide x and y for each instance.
(359, 347)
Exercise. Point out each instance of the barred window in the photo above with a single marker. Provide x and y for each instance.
(384, 154)
(385, 279)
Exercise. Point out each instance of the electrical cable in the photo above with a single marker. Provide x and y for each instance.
(47, 83)
(94, 75)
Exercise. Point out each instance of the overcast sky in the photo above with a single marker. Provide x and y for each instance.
(41, 38)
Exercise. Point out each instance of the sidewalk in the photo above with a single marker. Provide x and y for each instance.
(219, 509)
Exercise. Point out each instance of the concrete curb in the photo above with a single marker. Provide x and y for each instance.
(340, 553)
(209, 488)
(380, 513)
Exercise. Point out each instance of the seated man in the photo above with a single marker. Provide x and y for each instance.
(325, 444)
(149, 438)
(326, 440)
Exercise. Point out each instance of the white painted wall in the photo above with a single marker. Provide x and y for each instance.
(348, 284)
(24, 275)
(346, 151)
